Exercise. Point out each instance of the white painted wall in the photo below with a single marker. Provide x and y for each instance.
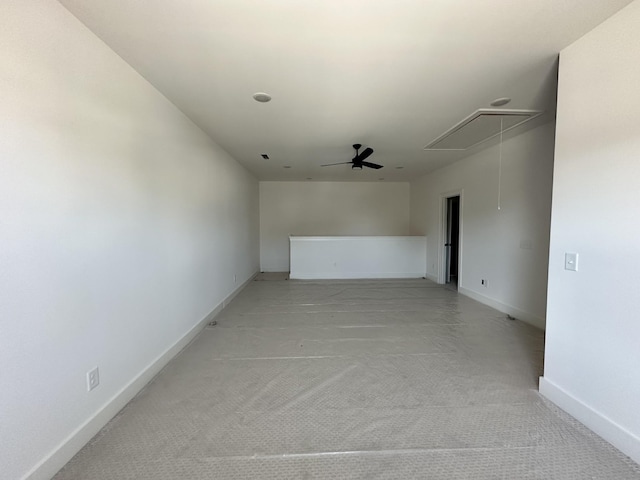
(327, 209)
(509, 247)
(357, 257)
(121, 228)
(592, 357)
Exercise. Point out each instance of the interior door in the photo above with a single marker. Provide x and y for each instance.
(447, 242)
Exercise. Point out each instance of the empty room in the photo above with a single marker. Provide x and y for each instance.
(319, 239)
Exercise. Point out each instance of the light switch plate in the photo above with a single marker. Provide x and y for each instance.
(571, 261)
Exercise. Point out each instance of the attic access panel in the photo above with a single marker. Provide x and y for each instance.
(479, 127)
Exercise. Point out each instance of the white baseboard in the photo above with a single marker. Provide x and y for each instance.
(353, 275)
(432, 277)
(233, 294)
(54, 461)
(505, 308)
(623, 440)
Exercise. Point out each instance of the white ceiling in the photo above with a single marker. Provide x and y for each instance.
(390, 74)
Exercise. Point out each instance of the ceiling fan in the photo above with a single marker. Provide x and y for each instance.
(358, 162)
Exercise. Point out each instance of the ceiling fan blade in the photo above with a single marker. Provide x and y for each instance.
(371, 165)
(365, 153)
(330, 164)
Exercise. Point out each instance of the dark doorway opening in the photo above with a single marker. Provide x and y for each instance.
(452, 242)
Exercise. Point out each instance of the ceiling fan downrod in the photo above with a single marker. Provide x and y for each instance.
(356, 165)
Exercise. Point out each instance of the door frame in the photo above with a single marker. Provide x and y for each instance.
(442, 236)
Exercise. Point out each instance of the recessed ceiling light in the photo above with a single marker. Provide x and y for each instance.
(265, 156)
(499, 102)
(262, 97)
(287, 166)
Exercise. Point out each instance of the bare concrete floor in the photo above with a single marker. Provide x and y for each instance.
(397, 379)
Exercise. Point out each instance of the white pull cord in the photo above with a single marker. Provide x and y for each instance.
(500, 166)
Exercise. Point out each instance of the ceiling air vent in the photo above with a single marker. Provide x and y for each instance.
(480, 126)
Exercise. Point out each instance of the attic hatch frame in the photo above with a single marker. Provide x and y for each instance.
(526, 115)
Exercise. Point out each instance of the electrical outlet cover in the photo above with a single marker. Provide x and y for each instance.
(93, 379)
